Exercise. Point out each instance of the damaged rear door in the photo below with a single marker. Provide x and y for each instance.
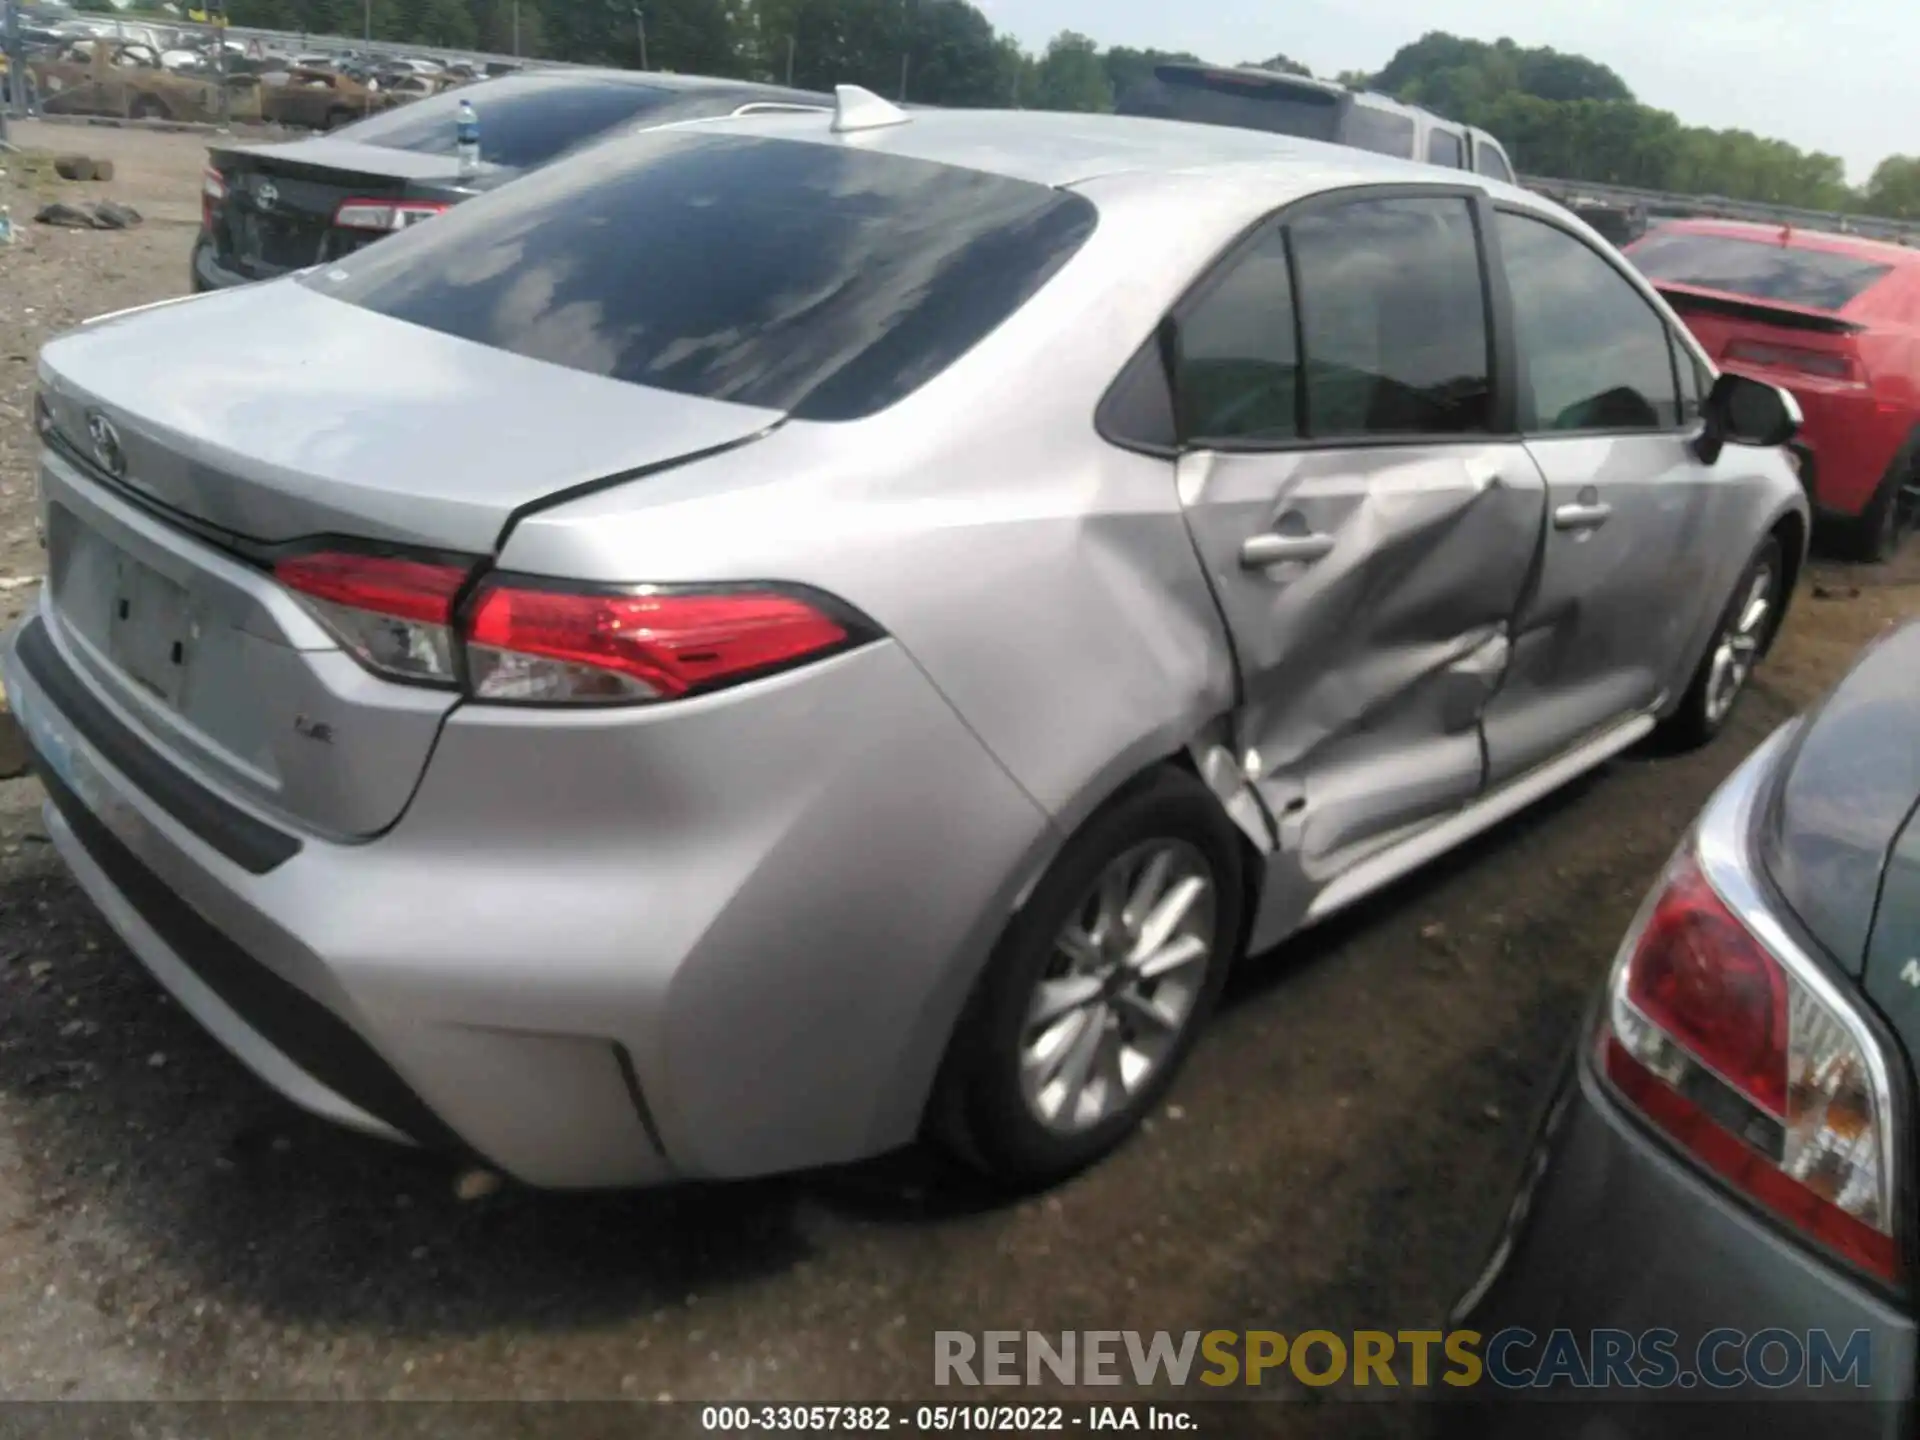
(1366, 517)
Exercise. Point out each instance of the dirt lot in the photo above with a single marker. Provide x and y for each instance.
(1336, 1156)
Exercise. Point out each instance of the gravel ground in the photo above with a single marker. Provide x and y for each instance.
(1337, 1155)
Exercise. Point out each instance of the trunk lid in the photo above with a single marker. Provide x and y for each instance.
(281, 199)
(275, 413)
(271, 414)
(1747, 334)
(1846, 790)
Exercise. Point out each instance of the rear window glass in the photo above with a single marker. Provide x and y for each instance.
(1381, 131)
(524, 122)
(1238, 99)
(820, 280)
(1760, 269)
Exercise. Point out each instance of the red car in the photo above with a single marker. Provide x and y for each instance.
(1836, 320)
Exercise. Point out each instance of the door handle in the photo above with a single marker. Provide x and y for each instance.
(1260, 551)
(1582, 517)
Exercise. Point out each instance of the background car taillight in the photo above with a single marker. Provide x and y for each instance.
(1738, 1057)
(1827, 364)
(394, 614)
(385, 216)
(544, 646)
(526, 643)
(213, 194)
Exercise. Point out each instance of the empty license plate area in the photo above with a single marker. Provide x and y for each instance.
(150, 629)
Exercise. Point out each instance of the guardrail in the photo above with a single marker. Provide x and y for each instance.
(1660, 204)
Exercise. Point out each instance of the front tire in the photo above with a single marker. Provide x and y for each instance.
(1098, 988)
(1745, 632)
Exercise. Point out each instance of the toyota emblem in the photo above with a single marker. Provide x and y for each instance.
(106, 444)
(267, 194)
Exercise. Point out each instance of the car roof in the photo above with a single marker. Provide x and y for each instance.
(1793, 237)
(1060, 149)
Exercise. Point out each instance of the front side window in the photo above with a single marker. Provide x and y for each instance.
(1394, 319)
(1594, 354)
(1444, 148)
(825, 281)
(1238, 362)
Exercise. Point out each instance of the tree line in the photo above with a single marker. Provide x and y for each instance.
(1558, 114)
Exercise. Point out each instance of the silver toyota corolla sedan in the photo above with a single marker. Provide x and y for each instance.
(781, 633)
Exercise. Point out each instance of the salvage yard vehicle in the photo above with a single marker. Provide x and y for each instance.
(777, 633)
(1284, 104)
(125, 78)
(1835, 319)
(317, 99)
(268, 209)
(1734, 1127)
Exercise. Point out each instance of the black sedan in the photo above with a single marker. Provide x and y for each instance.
(269, 209)
(1721, 1202)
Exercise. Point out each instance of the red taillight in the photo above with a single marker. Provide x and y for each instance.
(526, 643)
(213, 194)
(385, 216)
(395, 614)
(1759, 1072)
(1827, 364)
(566, 647)
(1704, 980)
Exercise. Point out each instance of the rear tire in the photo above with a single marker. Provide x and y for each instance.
(1098, 988)
(1889, 517)
(1745, 632)
(148, 108)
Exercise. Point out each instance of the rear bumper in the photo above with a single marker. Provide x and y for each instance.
(1612, 1232)
(209, 273)
(1851, 437)
(586, 961)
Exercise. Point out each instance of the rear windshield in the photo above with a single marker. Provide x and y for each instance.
(524, 121)
(820, 280)
(1235, 98)
(1761, 269)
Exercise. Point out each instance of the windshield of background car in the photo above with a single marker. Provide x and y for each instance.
(821, 280)
(1759, 269)
(525, 121)
(1236, 98)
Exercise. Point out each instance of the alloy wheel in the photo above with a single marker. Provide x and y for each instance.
(1121, 986)
(1737, 650)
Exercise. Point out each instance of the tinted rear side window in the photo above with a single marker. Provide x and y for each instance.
(1763, 270)
(524, 122)
(820, 280)
(1237, 99)
(1381, 131)
(1444, 148)
(1394, 316)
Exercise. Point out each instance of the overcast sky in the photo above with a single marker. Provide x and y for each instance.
(1841, 76)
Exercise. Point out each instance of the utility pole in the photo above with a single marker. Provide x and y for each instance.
(369, 22)
(789, 61)
(640, 23)
(516, 29)
(906, 44)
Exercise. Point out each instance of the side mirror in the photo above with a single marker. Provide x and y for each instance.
(1743, 411)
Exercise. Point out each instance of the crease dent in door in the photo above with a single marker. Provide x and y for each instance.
(1409, 608)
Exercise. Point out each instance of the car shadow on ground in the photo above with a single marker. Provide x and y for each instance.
(174, 1173)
